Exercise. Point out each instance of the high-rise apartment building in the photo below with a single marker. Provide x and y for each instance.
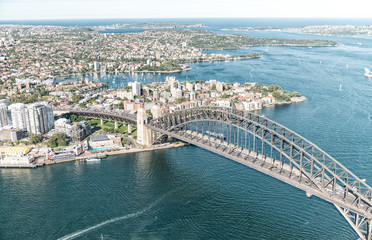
(18, 116)
(136, 88)
(39, 118)
(3, 115)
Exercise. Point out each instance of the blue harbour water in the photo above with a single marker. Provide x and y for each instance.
(190, 193)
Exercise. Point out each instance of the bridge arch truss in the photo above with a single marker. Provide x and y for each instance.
(275, 150)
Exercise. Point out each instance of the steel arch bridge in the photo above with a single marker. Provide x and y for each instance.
(273, 149)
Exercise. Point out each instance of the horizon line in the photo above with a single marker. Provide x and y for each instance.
(89, 18)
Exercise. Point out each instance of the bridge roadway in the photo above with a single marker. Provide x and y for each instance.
(270, 166)
(111, 115)
(308, 167)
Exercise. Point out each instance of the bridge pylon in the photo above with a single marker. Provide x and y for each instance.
(144, 135)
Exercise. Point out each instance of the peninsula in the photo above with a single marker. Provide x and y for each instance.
(48, 52)
(323, 30)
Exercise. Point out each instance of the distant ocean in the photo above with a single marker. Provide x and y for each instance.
(209, 22)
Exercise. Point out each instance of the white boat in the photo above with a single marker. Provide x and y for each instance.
(92, 160)
(367, 73)
(340, 87)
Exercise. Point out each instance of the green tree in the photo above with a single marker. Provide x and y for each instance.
(73, 118)
(57, 140)
(35, 138)
(294, 94)
(273, 88)
(279, 97)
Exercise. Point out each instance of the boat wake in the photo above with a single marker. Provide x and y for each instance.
(131, 215)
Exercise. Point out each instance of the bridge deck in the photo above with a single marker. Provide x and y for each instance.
(268, 166)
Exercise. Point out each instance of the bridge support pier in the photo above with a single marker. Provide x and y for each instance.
(129, 128)
(144, 134)
(116, 124)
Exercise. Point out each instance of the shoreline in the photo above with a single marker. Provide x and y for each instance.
(232, 58)
(114, 153)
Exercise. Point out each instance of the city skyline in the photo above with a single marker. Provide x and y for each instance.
(111, 9)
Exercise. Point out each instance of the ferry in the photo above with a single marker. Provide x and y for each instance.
(367, 73)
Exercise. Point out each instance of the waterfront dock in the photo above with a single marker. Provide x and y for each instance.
(94, 155)
(31, 165)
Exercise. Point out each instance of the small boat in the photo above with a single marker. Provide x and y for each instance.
(367, 73)
(92, 160)
(340, 87)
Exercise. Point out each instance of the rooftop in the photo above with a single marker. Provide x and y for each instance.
(99, 138)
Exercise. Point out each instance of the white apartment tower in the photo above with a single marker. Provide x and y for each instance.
(18, 115)
(136, 88)
(3, 115)
(39, 118)
(96, 66)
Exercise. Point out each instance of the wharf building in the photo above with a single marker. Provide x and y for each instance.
(16, 156)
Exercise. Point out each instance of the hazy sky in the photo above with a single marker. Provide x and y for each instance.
(80, 9)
